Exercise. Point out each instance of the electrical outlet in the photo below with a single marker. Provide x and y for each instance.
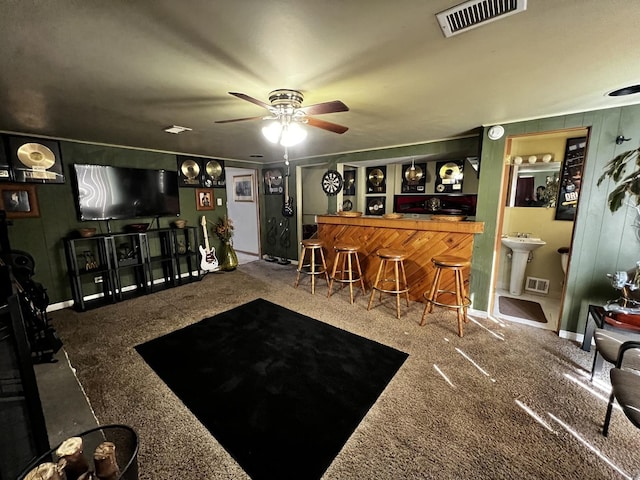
(97, 279)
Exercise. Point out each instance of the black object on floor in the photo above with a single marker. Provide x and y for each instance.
(280, 391)
(516, 307)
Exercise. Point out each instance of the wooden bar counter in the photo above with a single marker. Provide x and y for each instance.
(421, 239)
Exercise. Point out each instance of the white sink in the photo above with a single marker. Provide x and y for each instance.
(521, 248)
(522, 244)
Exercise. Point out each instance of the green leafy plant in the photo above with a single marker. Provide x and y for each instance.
(629, 185)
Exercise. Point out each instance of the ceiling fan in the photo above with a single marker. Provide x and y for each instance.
(286, 107)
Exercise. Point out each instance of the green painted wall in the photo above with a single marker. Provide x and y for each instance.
(43, 237)
(602, 242)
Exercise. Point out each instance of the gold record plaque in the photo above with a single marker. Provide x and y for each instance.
(36, 160)
(376, 179)
(449, 176)
(213, 175)
(189, 171)
(414, 178)
(273, 181)
(375, 205)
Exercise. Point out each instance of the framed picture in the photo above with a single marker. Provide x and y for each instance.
(243, 188)
(204, 199)
(349, 182)
(19, 201)
(571, 178)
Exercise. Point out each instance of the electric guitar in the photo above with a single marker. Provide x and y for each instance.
(208, 262)
(287, 207)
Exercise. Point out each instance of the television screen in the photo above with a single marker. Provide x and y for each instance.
(108, 193)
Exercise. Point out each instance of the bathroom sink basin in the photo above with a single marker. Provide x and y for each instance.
(521, 248)
(521, 244)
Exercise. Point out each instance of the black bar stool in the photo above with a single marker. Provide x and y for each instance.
(313, 268)
(348, 255)
(453, 264)
(394, 286)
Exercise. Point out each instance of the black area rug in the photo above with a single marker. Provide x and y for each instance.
(516, 307)
(280, 391)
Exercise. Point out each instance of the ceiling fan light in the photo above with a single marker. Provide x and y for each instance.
(272, 131)
(292, 134)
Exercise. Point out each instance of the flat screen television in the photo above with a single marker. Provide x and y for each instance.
(113, 193)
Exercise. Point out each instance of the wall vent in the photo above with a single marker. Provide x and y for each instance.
(474, 13)
(538, 285)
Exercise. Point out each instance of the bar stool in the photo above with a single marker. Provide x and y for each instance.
(347, 254)
(312, 246)
(455, 265)
(389, 257)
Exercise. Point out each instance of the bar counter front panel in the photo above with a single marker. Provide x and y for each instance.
(419, 239)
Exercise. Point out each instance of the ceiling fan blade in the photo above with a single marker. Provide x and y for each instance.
(237, 119)
(246, 97)
(332, 127)
(326, 107)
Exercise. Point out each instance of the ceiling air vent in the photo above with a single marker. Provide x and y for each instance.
(474, 13)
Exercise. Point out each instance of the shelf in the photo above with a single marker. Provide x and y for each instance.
(131, 264)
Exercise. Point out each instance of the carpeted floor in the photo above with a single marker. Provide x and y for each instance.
(505, 401)
(280, 391)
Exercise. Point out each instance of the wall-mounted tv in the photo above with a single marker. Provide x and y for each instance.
(112, 193)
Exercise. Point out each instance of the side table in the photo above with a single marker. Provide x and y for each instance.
(596, 317)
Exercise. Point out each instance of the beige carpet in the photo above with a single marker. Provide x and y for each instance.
(506, 401)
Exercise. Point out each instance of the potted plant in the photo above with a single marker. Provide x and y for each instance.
(629, 185)
(224, 231)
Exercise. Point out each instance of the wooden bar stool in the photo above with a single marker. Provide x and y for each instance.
(455, 265)
(348, 255)
(313, 268)
(396, 285)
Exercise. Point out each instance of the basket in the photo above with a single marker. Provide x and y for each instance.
(122, 436)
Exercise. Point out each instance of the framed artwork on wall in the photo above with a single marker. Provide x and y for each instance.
(570, 178)
(35, 160)
(19, 201)
(243, 188)
(204, 199)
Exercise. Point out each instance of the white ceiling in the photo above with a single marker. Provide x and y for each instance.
(119, 72)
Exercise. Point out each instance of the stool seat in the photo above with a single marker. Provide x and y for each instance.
(393, 285)
(346, 247)
(312, 242)
(449, 261)
(312, 267)
(346, 257)
(391, 254)
(454, 264)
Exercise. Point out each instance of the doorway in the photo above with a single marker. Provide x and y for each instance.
(538, 301)
(245, 213)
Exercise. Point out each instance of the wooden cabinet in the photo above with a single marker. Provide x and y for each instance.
(111, 268)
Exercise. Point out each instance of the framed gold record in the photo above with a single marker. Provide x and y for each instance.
(376, 179)
(414, 178)
(375, 206)
(449, 176)
(213, 175)
(273, 179)
(35, 160)
(189, 171)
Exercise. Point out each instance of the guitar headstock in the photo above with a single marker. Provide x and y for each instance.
(203, 221)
